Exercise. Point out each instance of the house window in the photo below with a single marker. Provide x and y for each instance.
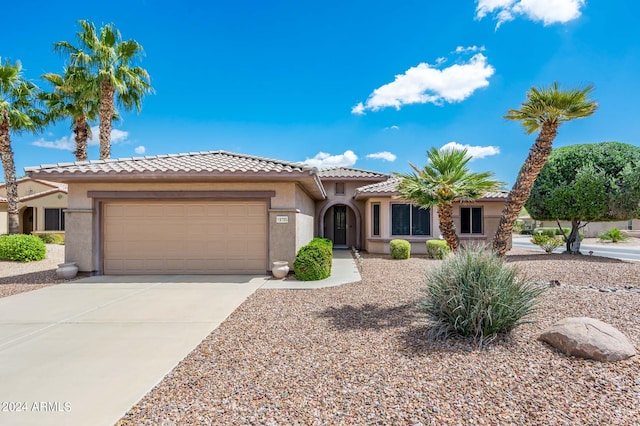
(376, 220)
(340, 188)
(53, 219)
(407, 219)
(630, 225)
(471, 220)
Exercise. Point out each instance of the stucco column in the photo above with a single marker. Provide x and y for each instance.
(79, 238)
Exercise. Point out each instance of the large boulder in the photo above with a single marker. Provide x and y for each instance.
(589, 338)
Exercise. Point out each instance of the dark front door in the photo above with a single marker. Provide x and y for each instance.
(340, 225)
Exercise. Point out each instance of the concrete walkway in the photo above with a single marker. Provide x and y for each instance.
(83, 353)
(343, 271)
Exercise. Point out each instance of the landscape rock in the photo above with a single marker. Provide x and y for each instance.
(589, 338)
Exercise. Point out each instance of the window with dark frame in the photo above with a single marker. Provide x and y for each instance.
(407, 219)
(376, 220)
(471, 220)
(339, 188)
(53, 219)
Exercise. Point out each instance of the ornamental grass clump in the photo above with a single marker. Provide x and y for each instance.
(474, 294)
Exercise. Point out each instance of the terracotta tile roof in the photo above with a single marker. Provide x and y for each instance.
(389, 187)
(350, 173)
(193, 163)
(55, 187)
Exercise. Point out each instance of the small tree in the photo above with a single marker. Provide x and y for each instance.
(586, 183)
(444, 180)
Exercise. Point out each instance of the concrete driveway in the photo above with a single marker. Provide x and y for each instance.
(83, 353)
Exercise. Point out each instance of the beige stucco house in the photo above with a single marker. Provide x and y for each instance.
(222, 212)
(41, 205)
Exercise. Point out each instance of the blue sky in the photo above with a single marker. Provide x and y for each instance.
(365, 84)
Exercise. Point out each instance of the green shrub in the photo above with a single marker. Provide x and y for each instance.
(322, 242)
(21, 248)
(51, 238)
(551, 231)
(474, 294)
(437, 249)
(614, 235)
(517, 227)
(548, 244)
(400, 249)
(313, 262)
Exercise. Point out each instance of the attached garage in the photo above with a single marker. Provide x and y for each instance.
(162, 237)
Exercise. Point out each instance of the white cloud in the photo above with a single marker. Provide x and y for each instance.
(473, 151)
(424, 83)
(546, 11)
(474, 48)
(117, 136)
(384, 155)
(140, 149)
(441, 60)
(394, 127)
(68, 143)
(322, 160)
(358, 109)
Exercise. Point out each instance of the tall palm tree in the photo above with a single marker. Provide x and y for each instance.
(110, 61)
(444, 180)
(18, 112)
(545, 109)
(76, 95)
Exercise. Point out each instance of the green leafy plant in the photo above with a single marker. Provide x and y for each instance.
(50, 238)
(313, 261)
(474, 294)
(21, 248)
(614, 235)
(400, 249)
(547, 243)
(437, 249)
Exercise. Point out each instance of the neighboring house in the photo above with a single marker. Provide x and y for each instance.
(222, 212)
(41, 206)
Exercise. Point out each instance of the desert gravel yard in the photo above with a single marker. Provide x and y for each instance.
(18, 277)
(358, 354)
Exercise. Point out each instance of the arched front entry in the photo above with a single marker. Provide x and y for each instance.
(340, 221)
(26, 220)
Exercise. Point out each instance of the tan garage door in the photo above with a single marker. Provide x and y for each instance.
(184, 238)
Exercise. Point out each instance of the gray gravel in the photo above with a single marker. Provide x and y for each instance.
(358, 354)
(18, 277)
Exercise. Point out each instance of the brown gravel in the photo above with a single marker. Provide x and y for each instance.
(357, 354)
(18, 277)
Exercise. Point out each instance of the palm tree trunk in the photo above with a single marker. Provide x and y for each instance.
(107, 109)
(521, 190)
(81, 131)
(447, 227)
(6, 154)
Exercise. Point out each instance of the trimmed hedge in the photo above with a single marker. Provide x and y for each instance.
(551, 231)
(313, 261)
(51, 238)
(400, 249)
(21, 248)
(437, 249)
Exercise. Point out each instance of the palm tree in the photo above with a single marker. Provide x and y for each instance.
(110, 61)
(74, 95)
(444, 180)
(545, 109)
(18, 112)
